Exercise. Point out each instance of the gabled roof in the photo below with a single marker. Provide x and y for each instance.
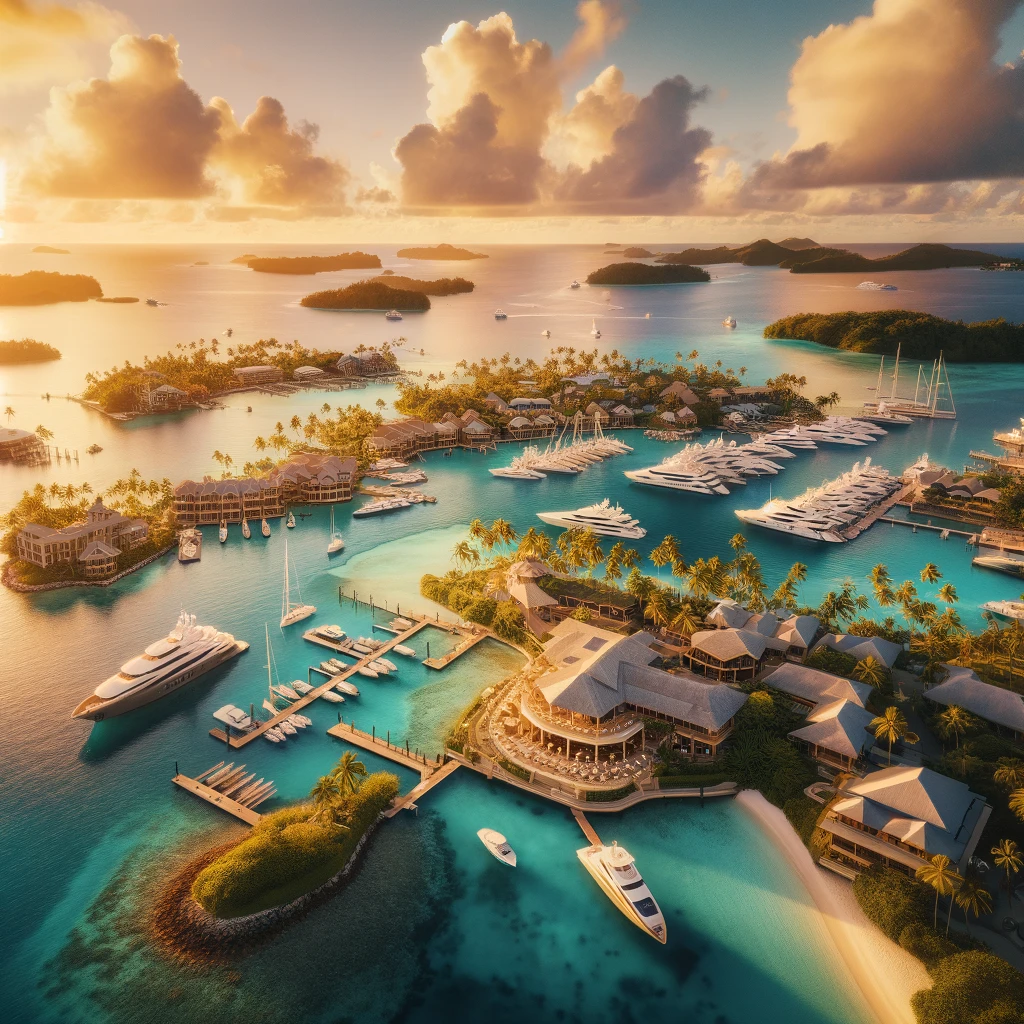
(799, 630)
(884, 651)
(916, 793)
(686, 697)
(685, 394)
(728, 614)
(727, 644)
(841, 726)
(813, 685)
(765, 623)
(98, 549)
(963, 688)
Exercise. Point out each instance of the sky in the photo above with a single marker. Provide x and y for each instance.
(532, 121)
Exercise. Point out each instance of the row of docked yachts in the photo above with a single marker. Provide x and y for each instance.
(714, 467)
(534, 464)
(823, 513)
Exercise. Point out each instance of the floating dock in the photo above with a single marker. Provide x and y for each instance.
(588, 830)
(877, 514)
(230, 788)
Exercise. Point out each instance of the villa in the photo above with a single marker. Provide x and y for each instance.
(599, 687)
(790, 636)
(94, 545)
(837, 734)
(728, 655)
(166, 396)
(962, 687)
(252, 376)
(20, 446)
(811, 688)
(677, 391)
(885, 652)
(901, 818)
(364, 364)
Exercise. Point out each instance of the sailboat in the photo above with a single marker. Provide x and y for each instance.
(270, 703)
(594, 330)
(336, 543)
(292, 611)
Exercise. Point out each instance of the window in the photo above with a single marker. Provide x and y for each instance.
(595, 643)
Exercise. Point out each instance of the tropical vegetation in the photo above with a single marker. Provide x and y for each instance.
(42, 287)
(645, 273)
(26, 351)
(311, 264)
(371, 294)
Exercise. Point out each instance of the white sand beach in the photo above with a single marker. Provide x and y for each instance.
(886, 974)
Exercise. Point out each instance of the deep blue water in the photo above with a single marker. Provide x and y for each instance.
(430, 923)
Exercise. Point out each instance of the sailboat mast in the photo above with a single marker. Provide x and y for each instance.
(896, 371)
(266, 630)
(878, 386)
(285, 599)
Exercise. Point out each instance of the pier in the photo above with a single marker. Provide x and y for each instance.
(588, 829)
(413, 760)
(408, 802)
(877, 513)
(464, 645)
(929, 526)
(228, 787)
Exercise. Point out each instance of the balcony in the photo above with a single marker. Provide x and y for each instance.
(578, 727)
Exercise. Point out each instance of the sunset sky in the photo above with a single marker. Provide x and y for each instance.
(547, 120)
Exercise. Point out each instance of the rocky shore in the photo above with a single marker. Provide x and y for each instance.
(11, 582)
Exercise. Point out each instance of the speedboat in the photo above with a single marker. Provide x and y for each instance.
(575, 284)
(377, 507)
(389, 665)
(379, 667)
(290, 522)
(298, 721)
(286, 727)
(186, 653)
(392, 314)
(332, 633)
(1000, 563)
(272, 736)
(246, 532)
(603, 518)
(292, 611)
(265, 528)
(407, 652)
(330, 668)
(300, 686)
(223, 532)
(594, 330)
(500, 314)
(614, 869)
(498, 846)
(545, 333)
(729, 321)
(1005, 609)
(336, 543)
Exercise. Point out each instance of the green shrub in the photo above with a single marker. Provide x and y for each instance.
(480, 610)
(971, 988)
(514, 769)
(927, 945)
(802, 813)
(839, 663)
(607, 795)
(893, 900)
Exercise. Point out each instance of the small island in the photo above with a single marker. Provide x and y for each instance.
(51, 250)
(312, 264)
(442, 286)
(637, 253)
(917, 257)
(367, 295)
(244, 258)
(762, 253)
(26, 351)
(920, 335)
(118, 298)
(42, 287)
(444, 251)
(643, 273)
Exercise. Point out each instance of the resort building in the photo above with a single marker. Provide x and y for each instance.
(401, 438)
(252, 376)
(963, 688)
(496, 403)
(307, 373)
(529, 404)
(44, 546)
(729, 655)
(601, 685)
(167, 397)
(313, 479)
(901, 818)
(679, 392)
(365, 364)
(20, 446)
(811, 688)
(98, 559)
(885, 652)
(790, 636)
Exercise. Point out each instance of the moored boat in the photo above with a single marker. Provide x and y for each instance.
(246, 532)
(614, 869)
(292, 611)
(497, 845)
(222, 533)
(265, 528)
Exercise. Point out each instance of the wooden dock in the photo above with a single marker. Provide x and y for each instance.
(229, 788)
(460, 648)
(928, 526)
(588, 829)
(408, 802)
(236, 741)
(413, 760)
(877, 513)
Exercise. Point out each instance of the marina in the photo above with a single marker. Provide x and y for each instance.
(230, 789)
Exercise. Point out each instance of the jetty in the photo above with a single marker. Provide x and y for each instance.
(464, 645)
(229, 787)
(408, 802)
(588, 829)
(878, 513)
(972, 538)
(413, 760)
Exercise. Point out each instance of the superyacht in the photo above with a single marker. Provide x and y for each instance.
(676, 475)
(187, 652)
(604, 518)
(614, 869)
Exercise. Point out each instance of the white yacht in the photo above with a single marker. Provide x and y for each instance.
(330, 668)
(498, 846)
(222, 533)
(594, 330)
(392, 314)
(344, 686)
(614, 869)
(680, 476)
(786, 518)
(290, 522)
(292, 611)
(405, 651)
(794, 438)
(365, 670)
(265, 528)
(246, 532)
(336, 542)
(333, 698)
(729, 321)
(545, 333)
(886, 416)
(1001, 563)
(234, 718)
(385, 505)
(187, 652)
(500, 314)
(517, 472)
(1005, 609)
(603, 518)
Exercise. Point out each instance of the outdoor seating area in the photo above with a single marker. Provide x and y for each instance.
(548, 759)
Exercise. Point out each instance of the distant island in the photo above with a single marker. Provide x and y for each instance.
(42, 287)
(245, 258)
(312, 264)
(917, 257)
(643, 273)
(444, 251)
(118, 298)
(762, 253)
(920, 335)
(442, 286)
(26, 351)
(373, 294)
(800, 243)
(636, 253)
(201, 263)
(51, 250)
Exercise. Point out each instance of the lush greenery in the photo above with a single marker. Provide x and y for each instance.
(444, 251)
(514, 769)
(973, 987)
(921, 335)
(892, 900)
(26, 351)
(198, 369)
(644, 273)
(442, 286)
(929, 256)
(312, 264)
(803, 814)
(372, 294)
(635, 252)
(42, 287)
(828, 660)
(290, 852)
(609, 795)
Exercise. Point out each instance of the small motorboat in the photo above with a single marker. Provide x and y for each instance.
(361, 648)
(365, 670)
(287, 728)
(399, 623)
(379, 667)
(500, 314)
(272, 736)
(498, 846)
(545, 333)
(285, 691)
(575, 284)
(407, 652)
(276, 731)
(389, 665)
(346, 687)
(729, 321)
(299, 721)
(246, 532)
(265, 528)
(290, 521)
(392, 314)
(332, 697)
(223, 532)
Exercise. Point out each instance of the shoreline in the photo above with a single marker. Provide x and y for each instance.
(886, 974)
(7, 574)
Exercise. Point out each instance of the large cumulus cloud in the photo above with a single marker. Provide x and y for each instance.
(910, 93)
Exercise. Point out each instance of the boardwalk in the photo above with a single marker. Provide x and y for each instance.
(464, 645)
(218, 799)
(415, 761)
(928, 526)
(588, 829)
(241, 740)
(877, 513)
(408, 802)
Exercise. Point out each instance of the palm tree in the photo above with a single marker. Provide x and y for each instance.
(464, 553)
(948, 594)
(869, 670)
(9, 412)
(665, 553)
(477, 531)
(43, 433)
(1017, 803)
(348, 773)
(533, 543)
(954, 720)
(738, 542)
(325, 796)
(930, 573)
(943, 878)
(1006, 855)
(1009, 773)
(657, 607)
(700, 578)
(971, 896)
(892, 726)
(501, 530)
(686, 620)
(296, 424)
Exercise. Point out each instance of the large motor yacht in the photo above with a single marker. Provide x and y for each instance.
(1005, 609)
(385, 505)
(187, 652)
(787, 518)
(614, 869)
(604, 518)
(1001, 563)
(680, 476)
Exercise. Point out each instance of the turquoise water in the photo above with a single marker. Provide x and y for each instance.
(430, 923)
